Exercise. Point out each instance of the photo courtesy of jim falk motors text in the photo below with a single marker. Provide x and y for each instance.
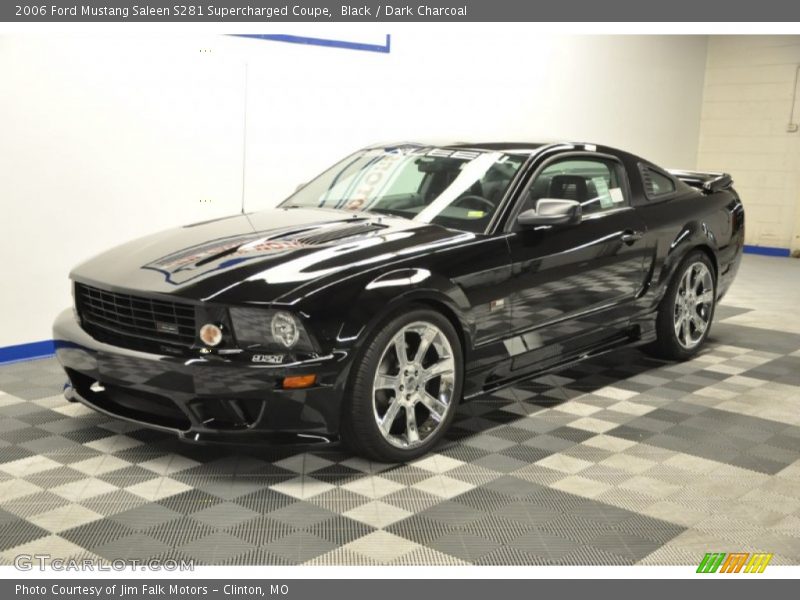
(127, 590)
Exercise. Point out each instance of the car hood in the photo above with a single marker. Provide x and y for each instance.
(259, 257)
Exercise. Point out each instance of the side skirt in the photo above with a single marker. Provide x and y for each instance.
(628, 340)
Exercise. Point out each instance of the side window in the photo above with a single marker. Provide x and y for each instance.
(655, 183)
(595, 183)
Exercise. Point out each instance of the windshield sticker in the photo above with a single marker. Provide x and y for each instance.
(427, 151)
(372, 181)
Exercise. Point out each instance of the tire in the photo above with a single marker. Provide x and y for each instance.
(680, 315)
(388, 416)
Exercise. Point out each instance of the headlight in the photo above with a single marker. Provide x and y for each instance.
(275, 330)
(285, 329)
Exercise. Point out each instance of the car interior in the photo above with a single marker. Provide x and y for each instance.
(470, 211)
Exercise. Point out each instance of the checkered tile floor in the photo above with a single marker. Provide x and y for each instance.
(621, 460)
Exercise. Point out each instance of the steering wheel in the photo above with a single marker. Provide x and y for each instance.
(480, 199)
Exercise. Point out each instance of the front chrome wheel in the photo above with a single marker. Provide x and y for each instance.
(413, 389)
(694, 304)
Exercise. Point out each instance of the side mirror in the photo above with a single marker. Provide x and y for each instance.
(551, 211)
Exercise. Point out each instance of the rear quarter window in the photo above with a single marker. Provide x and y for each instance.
(656, 183)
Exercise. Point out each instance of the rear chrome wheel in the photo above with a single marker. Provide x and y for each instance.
(687, 309)
(404, 387)
(413, 388)
(693, 305)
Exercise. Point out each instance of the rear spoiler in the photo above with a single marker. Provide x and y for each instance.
(708, 182)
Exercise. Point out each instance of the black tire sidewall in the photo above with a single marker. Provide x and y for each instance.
(359, 430)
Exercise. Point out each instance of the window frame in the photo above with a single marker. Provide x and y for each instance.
(622, 173)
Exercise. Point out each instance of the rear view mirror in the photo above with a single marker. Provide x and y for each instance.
(551, 211)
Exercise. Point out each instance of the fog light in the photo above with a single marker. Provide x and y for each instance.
(299, 381)
(210, 334)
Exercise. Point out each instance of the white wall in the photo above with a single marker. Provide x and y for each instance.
(103, 139)
(473, 83)
(746, 103)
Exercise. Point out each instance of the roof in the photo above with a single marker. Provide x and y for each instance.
(508, 147)
(500, 146)
(492, 146)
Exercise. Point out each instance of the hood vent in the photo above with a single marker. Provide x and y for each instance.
(332, 234)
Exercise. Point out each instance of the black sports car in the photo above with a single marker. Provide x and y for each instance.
(401, 280)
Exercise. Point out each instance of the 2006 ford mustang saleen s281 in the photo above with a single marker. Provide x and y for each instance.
(401, 280)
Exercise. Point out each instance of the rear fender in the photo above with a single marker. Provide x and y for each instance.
(694, 235)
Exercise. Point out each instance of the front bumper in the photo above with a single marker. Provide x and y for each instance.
(204, 398)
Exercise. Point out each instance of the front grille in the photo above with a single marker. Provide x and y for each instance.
(133, 321)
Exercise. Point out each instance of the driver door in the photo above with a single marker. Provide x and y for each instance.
(574, 285)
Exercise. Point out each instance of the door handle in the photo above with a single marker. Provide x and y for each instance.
(629, 236)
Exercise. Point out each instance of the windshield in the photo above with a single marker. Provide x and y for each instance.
(461, 189)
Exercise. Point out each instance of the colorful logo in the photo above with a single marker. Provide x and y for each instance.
(734, 562)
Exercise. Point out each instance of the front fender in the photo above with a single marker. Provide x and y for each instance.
(389, 292)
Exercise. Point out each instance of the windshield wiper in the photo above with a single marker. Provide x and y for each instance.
(381, 211)
(389, 211)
